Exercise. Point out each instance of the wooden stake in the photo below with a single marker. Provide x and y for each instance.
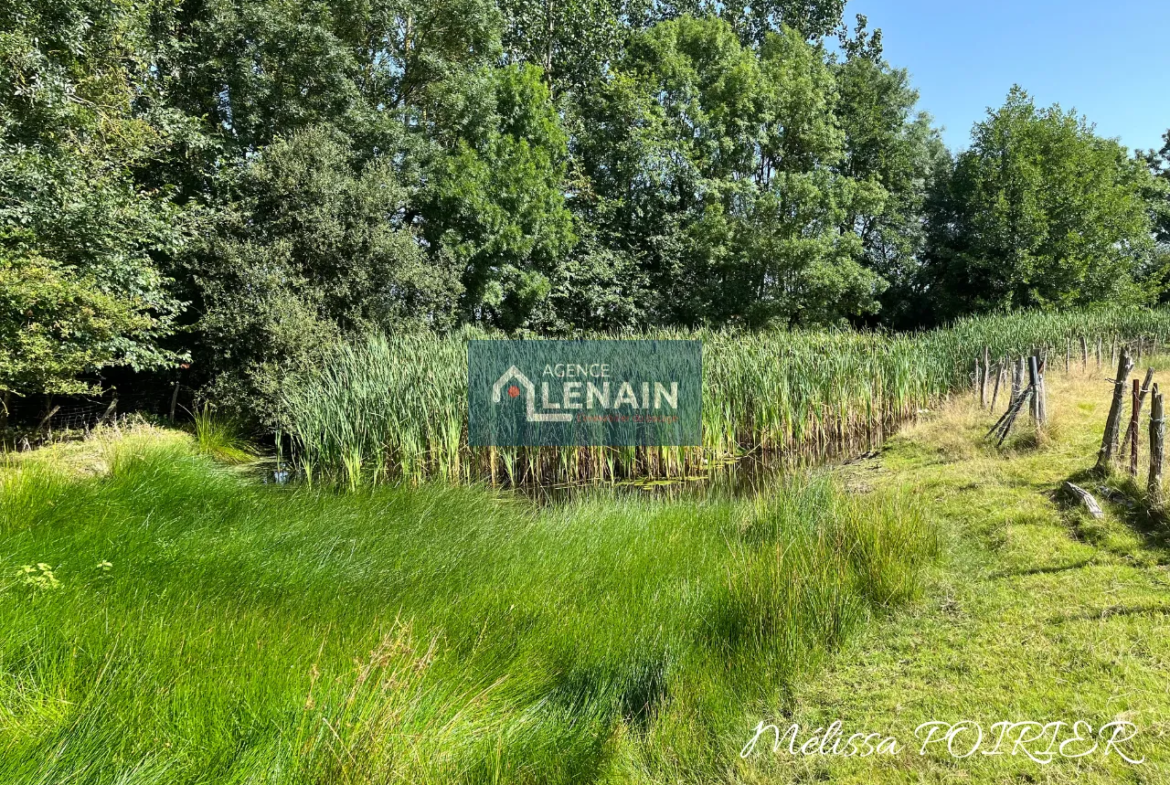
(1157, 438)
(1131, 433)
(998, 378)
(1042, 392)
(1113, 424)
(110, 411)
(45, 422)
(1017, 379)
(1084, 354)
(983, 381)
(1136, 408)
(1033, 379)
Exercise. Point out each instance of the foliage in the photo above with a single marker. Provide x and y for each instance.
(56, 323)
(79, 114)
(530, 166)
(496, 204)
(1039, 212)
(314, 245)
(892, 146)
(712, 161)
(1159, 194)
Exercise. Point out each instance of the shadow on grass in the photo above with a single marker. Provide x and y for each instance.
(1113, 611)
(1128, 502)
(1046, 570)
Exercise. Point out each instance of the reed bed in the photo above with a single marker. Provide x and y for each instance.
(395, 408)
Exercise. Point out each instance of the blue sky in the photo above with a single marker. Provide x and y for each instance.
(1109, 60)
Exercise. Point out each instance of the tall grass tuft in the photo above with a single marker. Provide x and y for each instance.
(221, 436)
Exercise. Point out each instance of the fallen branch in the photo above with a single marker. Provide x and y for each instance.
(1086, 499)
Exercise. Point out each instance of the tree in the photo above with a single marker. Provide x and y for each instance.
(80, 114)
(494, 204)
(1039, 212)
(712, 164)
(890, 145)
(1159, 192)
(314, 246)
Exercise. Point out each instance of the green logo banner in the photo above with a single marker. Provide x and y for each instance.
(584, 393)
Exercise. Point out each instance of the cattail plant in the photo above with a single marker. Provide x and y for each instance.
(394, 408)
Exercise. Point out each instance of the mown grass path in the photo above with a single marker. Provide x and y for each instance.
(1036, 613)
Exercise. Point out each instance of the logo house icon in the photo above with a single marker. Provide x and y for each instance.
(529, 394)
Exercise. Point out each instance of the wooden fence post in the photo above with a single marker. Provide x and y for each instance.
(1132, 433)
(984, 380)
(1157, 437)
(1098, 354)
(1017, 378)
(978, 374)
(1136, 408)
(1084, 354)
(1034, 383)
(998, 379)
(1042, 391)
(1113, 424)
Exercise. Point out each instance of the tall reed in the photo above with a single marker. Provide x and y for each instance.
(396, 407)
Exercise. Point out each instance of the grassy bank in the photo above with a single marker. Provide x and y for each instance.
(390, 408)
(1037, 611)
(163, 620)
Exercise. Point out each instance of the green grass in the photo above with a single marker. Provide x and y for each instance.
(201, 628)
(388, 408)
(1036, 612)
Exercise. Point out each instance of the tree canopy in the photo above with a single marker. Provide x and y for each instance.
(238, 185)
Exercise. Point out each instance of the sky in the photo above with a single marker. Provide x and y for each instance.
(1108, 60)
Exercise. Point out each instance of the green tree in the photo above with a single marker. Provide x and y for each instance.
(494, 205)
(1159, 194)
(889, 144)
(1039, 212)
(713, 163)
(80, 115)
(314, 246)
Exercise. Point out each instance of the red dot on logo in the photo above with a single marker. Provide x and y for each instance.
(513, 391)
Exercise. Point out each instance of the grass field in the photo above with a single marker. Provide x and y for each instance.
(164, 620)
